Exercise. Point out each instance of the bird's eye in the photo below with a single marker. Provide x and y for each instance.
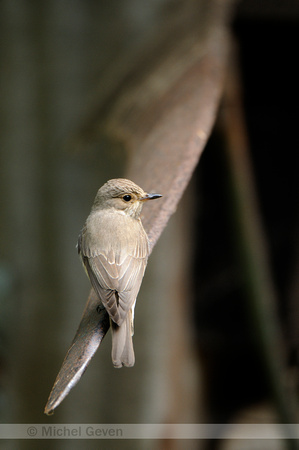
(127, 198)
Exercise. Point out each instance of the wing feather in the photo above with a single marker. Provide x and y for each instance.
(113, 290)
(115, 273)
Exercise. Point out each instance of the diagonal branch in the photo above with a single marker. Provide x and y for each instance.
(165, 133)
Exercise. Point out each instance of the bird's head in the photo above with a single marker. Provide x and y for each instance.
(122, 195)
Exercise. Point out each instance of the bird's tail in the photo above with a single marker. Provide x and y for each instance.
(122, 343)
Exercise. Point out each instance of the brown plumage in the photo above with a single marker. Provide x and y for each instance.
(114, 249)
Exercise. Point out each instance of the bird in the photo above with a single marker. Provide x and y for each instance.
(114, 249)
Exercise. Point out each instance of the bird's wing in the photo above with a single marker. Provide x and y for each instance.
(116, 277)
(116, 285)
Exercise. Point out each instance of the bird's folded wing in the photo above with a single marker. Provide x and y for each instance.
(116, 281)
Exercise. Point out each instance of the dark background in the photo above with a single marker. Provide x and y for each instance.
(266, 39)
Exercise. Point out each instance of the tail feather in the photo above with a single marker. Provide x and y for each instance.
(122, 343)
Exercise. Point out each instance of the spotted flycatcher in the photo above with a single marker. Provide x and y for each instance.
(114, 249)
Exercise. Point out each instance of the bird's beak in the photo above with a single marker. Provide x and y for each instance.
(150, 197)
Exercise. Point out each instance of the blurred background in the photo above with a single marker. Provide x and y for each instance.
(197, 337)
